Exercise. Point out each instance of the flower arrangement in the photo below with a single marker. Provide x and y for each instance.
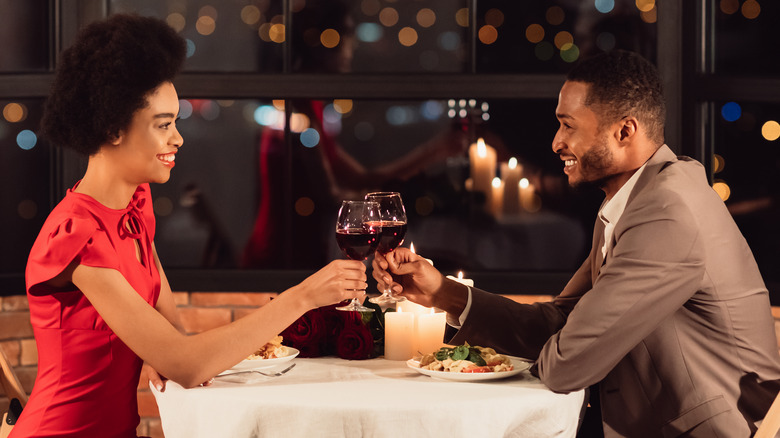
(326, 331)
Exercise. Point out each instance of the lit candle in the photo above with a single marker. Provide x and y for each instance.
(527, 196)
(429, 330)
(399, 335)
(411, 248)
(461, 280)
(497, 197)
(511, 172)
(482, 161)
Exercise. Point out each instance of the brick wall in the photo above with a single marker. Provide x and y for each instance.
(199, 311)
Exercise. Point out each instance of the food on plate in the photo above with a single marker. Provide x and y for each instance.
(270, 350)
(466, 359)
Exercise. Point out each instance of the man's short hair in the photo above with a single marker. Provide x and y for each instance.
(623, 83)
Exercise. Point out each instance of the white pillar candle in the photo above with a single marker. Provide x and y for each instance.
(497, 197)
(399, 335)
(461, 280)
(429, 329)
(511, 172)
(482, 162)
(527, 196)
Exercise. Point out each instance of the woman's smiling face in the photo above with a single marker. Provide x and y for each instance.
(147, 148)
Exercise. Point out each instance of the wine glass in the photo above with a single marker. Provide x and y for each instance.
(357, 234)
(392, 220)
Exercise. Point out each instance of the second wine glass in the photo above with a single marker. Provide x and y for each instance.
(357, 234)
(392, 220)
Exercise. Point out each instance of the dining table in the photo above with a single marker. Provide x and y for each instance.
(333, 397)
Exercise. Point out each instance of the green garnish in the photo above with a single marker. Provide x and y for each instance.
(461, 352)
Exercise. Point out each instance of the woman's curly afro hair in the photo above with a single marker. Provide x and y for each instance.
(106, 76)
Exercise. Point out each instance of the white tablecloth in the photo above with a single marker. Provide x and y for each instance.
(331, 397)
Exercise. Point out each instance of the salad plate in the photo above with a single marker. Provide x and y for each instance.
(518, 366)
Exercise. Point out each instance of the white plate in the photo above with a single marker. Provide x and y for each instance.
(519, 364)
(256, 364)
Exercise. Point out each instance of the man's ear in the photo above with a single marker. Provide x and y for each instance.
(628, 128)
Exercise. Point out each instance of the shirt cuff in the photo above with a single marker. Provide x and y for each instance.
(458, 323)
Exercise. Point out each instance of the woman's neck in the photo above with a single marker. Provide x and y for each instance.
(105, 184)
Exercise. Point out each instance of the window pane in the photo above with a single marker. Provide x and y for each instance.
(24, 31)
(25, 174)
(221, 36)
(245, 195)
(745, 37)
(747, 175)
(547, 37)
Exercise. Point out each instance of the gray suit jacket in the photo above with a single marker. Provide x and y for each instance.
(674, 324)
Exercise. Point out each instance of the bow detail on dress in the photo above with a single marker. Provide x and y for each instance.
(132, 222)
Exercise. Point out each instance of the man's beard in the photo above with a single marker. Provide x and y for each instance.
(594, 166)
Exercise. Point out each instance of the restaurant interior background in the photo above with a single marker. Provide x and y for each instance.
(287, 107)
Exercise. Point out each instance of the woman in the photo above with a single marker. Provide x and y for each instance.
(100, 303)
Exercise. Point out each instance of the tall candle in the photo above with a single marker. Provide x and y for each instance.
(497, 197)
(511, 172)
(429, 330)
(399, 335)
(482, 159)
(527, 196)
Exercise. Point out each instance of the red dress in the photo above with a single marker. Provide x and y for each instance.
(87, 377)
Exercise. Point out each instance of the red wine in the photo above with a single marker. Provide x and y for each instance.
(391, 236)
(358, 243)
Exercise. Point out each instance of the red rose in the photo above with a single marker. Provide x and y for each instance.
(306, 334)
(355, 341)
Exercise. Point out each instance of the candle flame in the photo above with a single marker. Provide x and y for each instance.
(481, 148)
(399, 310)
(496, 182)
(411, 248)
(512, 163)
(523, 183)
(432, 311)
(460, 275)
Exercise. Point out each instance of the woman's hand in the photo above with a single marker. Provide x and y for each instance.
(339, 280)
(409, 275)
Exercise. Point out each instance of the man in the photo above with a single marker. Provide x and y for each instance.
(668, 315)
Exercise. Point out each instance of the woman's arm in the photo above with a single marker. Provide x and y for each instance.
(190, 360)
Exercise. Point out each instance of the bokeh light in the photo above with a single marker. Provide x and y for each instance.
(209, 110)
(208, 11)
(544, 51)
(729, 6)
(185, 109)
(267, 115)
(26, 139)
(534, 33)
(330, 38)
(304, 206)
(488, 34)
(342, 106)
(276, 33)
(205, 25)
(369, 32)
(771, 130)
(424, 205)
(449, 41)
(388, 16)
(431, 109)
(751, 9)
(718, 163)
(310, 138)
(562, 39)
(398, 115)
(426, 17)
(650, 16)
(407, 36)
(554, 15)
(570, 53)
(462, 17)
(645, 5)
(604, 6)
(494, 17)
(15, 112)
(190, 48)
(300, 123)
(731, 111)
(370, 7)
(163, 206)
(250, 14)
(278, 104)
(27, 209)
(722, 189)
(176, 21)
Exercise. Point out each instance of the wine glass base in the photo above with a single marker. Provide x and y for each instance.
(386, 299)
(352, 307)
